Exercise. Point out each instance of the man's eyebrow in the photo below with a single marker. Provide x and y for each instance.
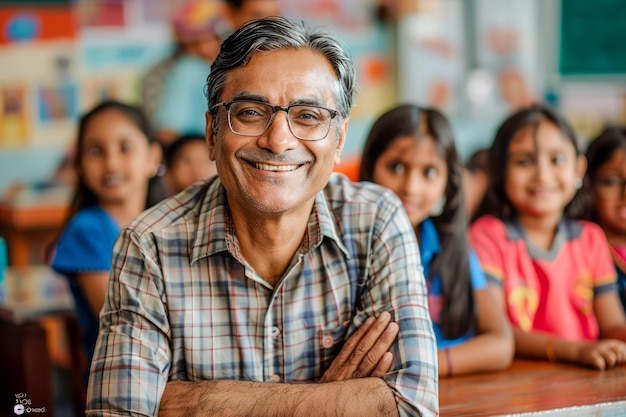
(309, 102)
(247, 96)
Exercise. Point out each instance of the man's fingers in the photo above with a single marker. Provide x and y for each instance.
(365, 353)
(369, 340)
(353, 341)
(377, 352)
(383, 366)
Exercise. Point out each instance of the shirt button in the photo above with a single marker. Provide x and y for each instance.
(275, 378)
(275, 332)
(328, 341)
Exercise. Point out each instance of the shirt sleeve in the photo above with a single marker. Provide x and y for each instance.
(602, 268)
(396, 284)
(131, 362)
(83, 247)
(479, 280)
(483, 235)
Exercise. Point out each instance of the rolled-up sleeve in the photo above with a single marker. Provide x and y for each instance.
(130, 366)
(396, 284)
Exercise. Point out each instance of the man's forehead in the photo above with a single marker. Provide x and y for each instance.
(299, 75)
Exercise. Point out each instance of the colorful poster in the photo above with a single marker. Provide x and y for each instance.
(101, 13)
(13, 116)
(431, 58)
(57, 102)
(22, 24)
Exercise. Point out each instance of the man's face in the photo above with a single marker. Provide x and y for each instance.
(277, 172)
(254, 9)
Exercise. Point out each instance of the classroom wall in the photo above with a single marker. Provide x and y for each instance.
(59, 57)
(478, 60)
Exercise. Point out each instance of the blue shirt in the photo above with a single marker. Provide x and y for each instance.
(621, 282)
(86, 245)
(429, 248)
(182, 103)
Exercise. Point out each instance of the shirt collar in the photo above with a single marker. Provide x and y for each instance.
(213, 221)
(566, 231)
(322, 223)
(429, 240)
(215, 229)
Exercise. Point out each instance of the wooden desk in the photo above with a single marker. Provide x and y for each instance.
(539, 388)
(27, 228)
(33, 295)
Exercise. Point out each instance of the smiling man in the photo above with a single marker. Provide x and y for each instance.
(276, 288)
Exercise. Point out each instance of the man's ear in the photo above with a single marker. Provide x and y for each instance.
(341, 140)
(210, 136)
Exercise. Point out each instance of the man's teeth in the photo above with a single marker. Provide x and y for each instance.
(276, 168)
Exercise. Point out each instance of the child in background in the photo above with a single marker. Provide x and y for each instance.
(552, 275)
(411, 151)
(115, 158)
(187, 161)
(175, 87)
(475, 180)
(606, 177)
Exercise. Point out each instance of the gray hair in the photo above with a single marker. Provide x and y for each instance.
(273, 33)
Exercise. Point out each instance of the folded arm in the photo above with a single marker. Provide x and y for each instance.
(351, 386)
(355, 397)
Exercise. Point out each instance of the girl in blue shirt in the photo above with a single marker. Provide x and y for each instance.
(116, 159)
(411, 151)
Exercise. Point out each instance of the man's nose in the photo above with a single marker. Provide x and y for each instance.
(278, 136)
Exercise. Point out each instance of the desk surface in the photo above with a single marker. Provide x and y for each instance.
(536, 386)
(34, 291)
(28, 227)
(32, 217)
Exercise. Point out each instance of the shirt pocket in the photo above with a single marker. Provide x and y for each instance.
(332, 338)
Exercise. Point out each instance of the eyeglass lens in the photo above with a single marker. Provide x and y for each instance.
(254, 118)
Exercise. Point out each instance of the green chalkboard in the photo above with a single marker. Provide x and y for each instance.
(593, 37)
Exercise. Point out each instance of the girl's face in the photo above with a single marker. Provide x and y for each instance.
(543, 171)
(414, 170)
(191, 164)
(610, 196)
(117, 159)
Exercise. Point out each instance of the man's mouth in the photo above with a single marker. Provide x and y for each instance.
(275, 168)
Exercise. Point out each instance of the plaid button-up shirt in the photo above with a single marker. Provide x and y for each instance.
(183, 303)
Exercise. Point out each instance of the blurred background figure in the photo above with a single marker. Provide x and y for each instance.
(606, 179)
(411, 151)
(116, 160)
(173, 90)
(239, 12)
(475, 180)
(187, 161)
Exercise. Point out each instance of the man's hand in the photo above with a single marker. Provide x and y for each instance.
(366, 352)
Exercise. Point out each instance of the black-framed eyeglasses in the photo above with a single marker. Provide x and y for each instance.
(610, 188)
(253, 118)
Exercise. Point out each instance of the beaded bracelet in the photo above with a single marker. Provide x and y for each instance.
(550, 350)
